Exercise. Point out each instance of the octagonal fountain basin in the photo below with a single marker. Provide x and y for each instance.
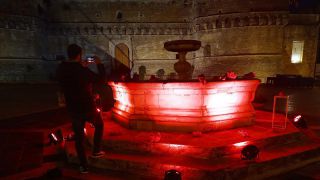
(184, 106)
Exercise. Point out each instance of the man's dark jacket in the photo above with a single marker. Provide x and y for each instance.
(76, 82)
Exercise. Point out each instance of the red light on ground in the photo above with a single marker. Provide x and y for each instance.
(176, 146)
(241, 144)
(98, 110)
(297, 118)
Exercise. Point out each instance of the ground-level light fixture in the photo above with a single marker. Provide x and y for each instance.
(250, 152)
(56, 137)
(172, 174)
(300, 122)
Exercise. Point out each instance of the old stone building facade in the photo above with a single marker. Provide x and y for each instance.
(236, 35)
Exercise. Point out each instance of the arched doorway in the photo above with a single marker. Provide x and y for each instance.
(122, 54)
(121, 65)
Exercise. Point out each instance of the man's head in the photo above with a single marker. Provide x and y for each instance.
(74, 52)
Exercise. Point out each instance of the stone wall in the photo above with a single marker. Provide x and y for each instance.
(119, 11)
(23, 42)
(240, 42)
(237, 35)
(301, 28)
(23, 49)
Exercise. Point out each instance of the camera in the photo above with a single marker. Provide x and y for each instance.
(90, 59)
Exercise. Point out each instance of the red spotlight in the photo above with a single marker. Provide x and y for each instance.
(56, 137)
(250, 152)
(172, 175)
(53, 138)
(300, 122)
(297, 118)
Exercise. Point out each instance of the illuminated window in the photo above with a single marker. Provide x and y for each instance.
(297, 51)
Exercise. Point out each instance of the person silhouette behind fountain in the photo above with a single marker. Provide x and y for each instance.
(76, 82)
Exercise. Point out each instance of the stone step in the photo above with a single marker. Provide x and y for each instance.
(270, 162)
(213, 145)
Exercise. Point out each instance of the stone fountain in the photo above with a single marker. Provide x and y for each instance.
(184, 106)
(182, 47)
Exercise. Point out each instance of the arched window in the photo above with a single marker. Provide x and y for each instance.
(119, 15)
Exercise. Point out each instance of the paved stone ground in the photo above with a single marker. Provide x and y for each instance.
(21, 99)
(19, 104)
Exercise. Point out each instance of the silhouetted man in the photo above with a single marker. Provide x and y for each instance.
(76, 81)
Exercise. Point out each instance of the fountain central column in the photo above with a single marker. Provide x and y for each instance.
(183, 67)
(182, 47)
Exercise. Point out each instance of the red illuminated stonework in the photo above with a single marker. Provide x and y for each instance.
(184, 106)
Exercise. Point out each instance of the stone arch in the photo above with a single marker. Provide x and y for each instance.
(119, 15)
(121, 63)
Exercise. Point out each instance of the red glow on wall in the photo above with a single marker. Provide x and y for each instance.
(172, 166)
(223, 98)
(123, 97)
(173, 147)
